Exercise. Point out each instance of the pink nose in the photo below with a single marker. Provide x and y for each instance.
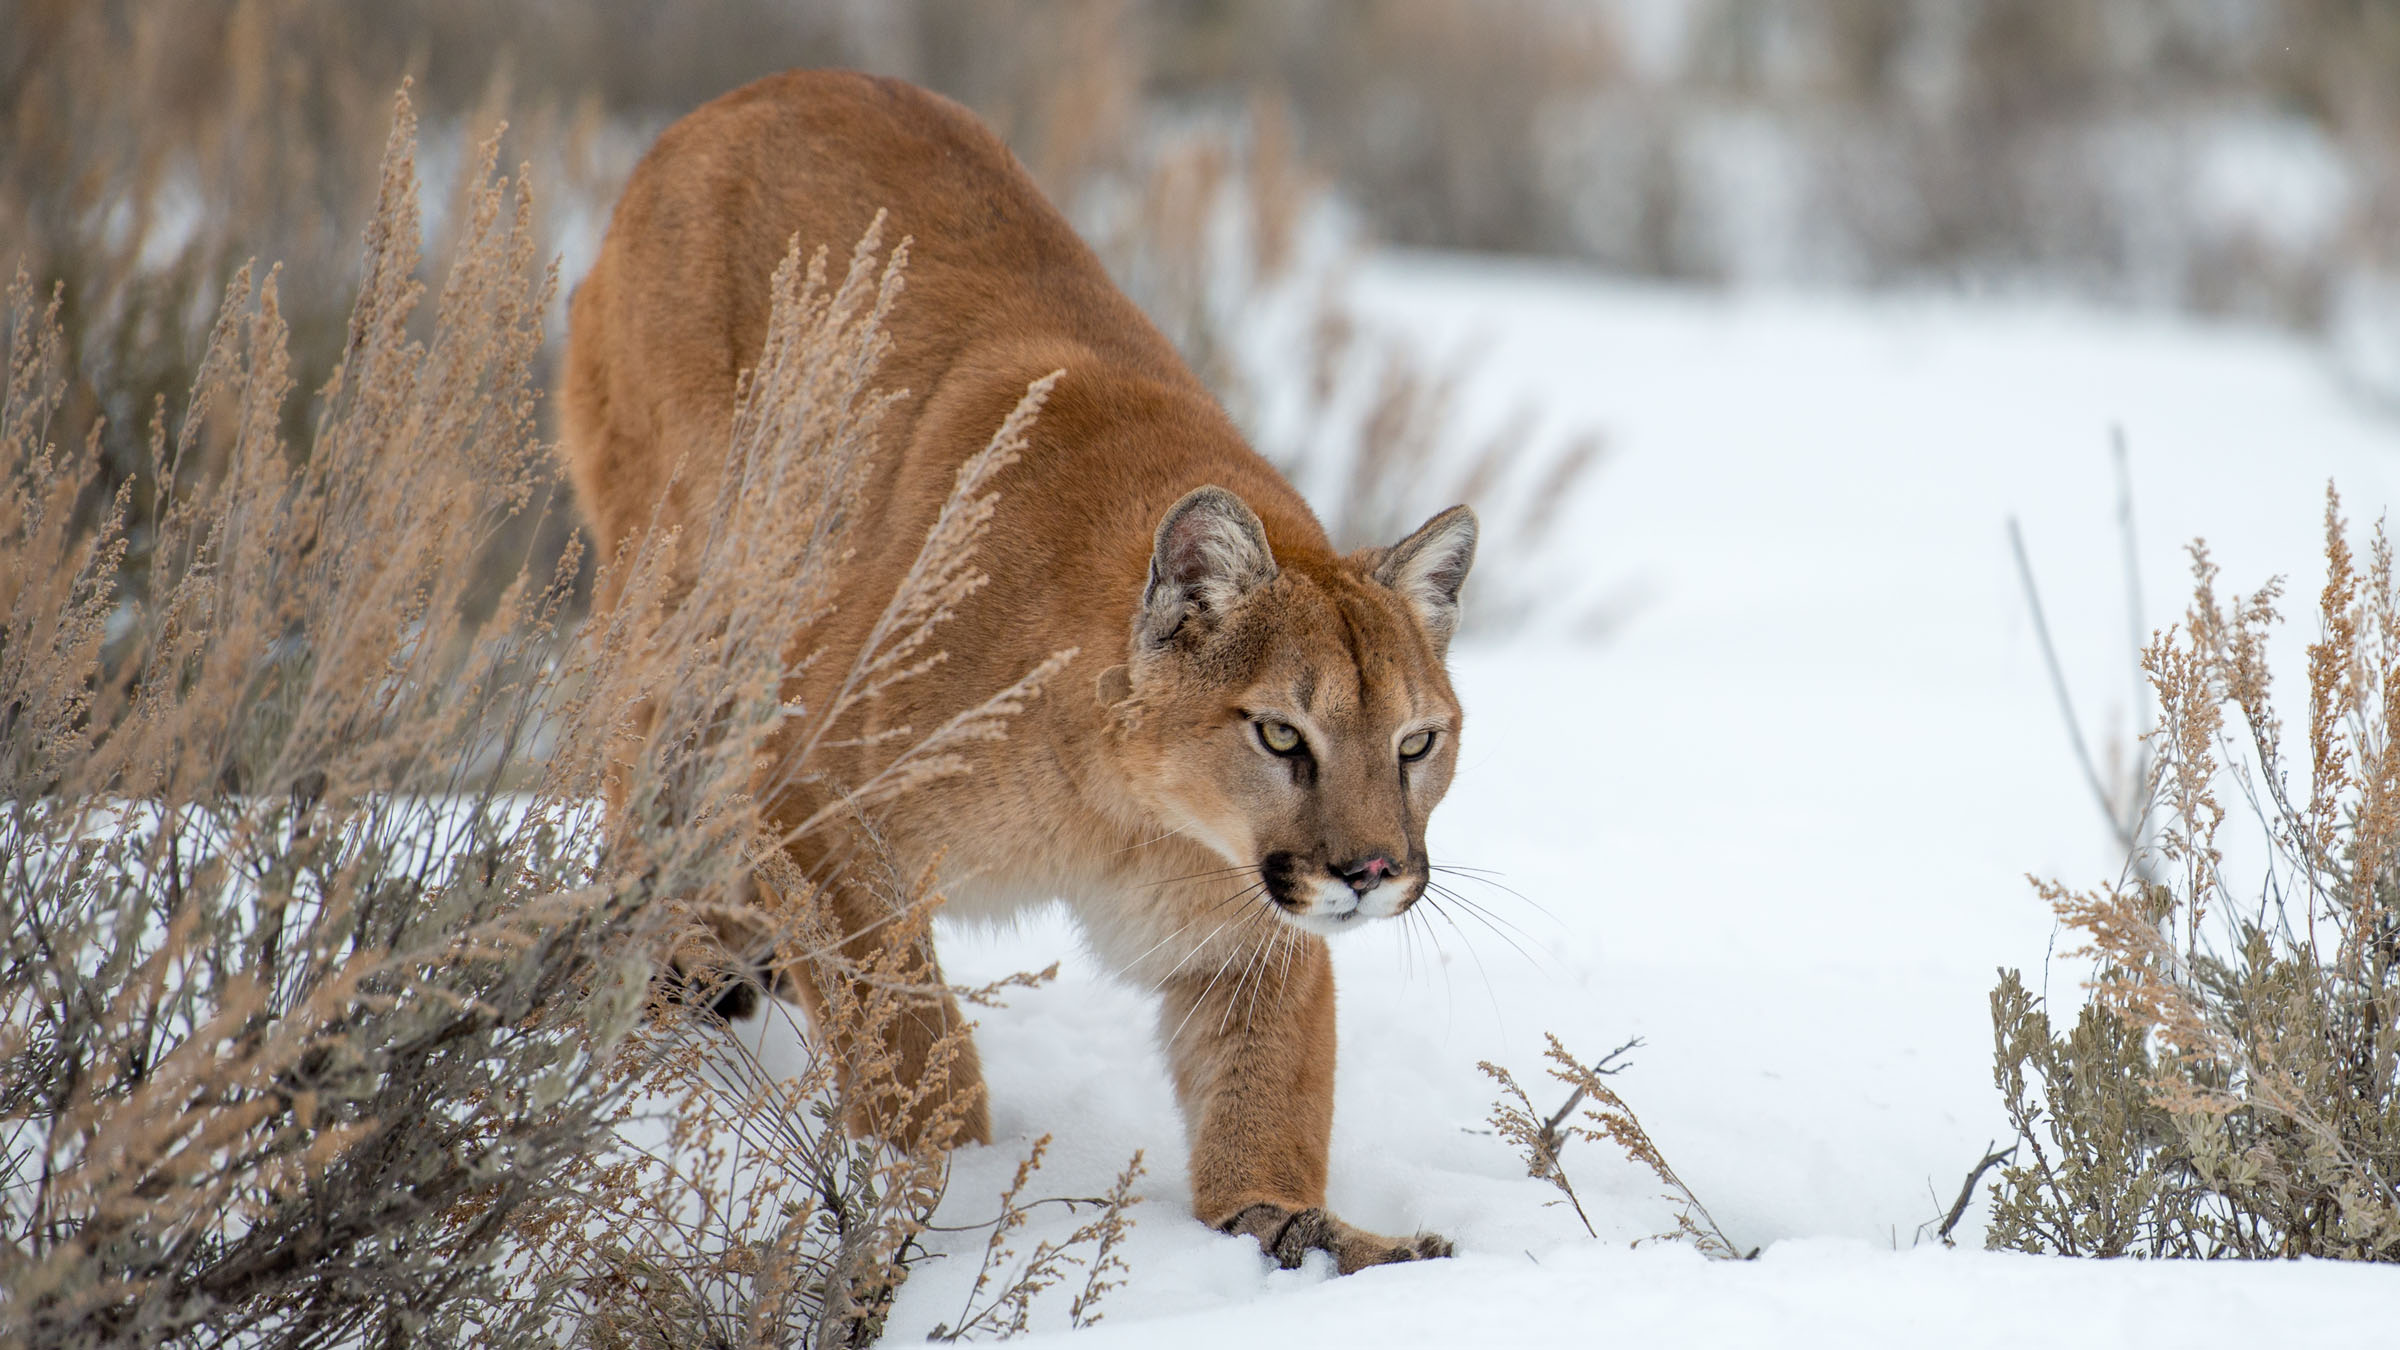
(1365, 873)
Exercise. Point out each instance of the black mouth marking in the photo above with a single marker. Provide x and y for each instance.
(1283, 873)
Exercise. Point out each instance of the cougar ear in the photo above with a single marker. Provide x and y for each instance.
(1210, 552)
(1428, 567)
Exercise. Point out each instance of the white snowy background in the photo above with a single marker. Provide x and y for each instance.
(1776, 821)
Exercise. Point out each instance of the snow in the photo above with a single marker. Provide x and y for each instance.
(1777, 824)
(1803, 1293)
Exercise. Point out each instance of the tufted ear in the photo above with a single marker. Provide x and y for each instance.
(1210, 552)
(1428, 567)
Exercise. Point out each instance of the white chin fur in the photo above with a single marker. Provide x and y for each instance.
(1335, 908)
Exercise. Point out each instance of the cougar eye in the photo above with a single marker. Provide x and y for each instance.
(1415, 746)
(1281, 737)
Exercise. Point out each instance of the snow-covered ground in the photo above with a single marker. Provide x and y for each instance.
(1777, 824)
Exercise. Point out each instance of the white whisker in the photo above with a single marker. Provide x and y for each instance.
(1201, 999)
(1179, 928)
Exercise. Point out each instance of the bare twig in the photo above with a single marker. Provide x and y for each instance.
(1992, 1158)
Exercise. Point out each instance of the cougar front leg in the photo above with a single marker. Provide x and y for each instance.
(1252, 1045)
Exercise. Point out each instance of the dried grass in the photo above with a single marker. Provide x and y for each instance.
(1541, 1137)
(302, 1010)
(1002, 1307)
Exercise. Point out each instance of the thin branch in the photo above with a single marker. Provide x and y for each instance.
(2137, 631)
(2058, 686)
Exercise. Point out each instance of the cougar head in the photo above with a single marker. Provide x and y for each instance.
(1295, 715)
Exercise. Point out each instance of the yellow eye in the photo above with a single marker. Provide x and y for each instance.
(1415, 746)
(1281, 737)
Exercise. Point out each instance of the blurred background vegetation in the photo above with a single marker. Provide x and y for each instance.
(2223, 156)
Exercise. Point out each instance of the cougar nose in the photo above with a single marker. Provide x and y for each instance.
(1365, 874)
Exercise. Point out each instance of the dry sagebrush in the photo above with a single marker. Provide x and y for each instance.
(300, 1011)
(329, 1010)
(2230, 1088)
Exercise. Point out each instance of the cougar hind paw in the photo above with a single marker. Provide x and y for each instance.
(732, 992)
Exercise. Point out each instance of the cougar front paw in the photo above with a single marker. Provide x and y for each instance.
(1289, 1235)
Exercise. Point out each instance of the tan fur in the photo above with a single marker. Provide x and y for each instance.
(1139, 788)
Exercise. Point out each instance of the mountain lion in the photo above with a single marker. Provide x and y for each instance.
(1239, 761)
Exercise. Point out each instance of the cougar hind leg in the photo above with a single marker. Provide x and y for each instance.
(878, 1003)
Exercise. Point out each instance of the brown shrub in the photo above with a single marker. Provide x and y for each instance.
(2230, 1090)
